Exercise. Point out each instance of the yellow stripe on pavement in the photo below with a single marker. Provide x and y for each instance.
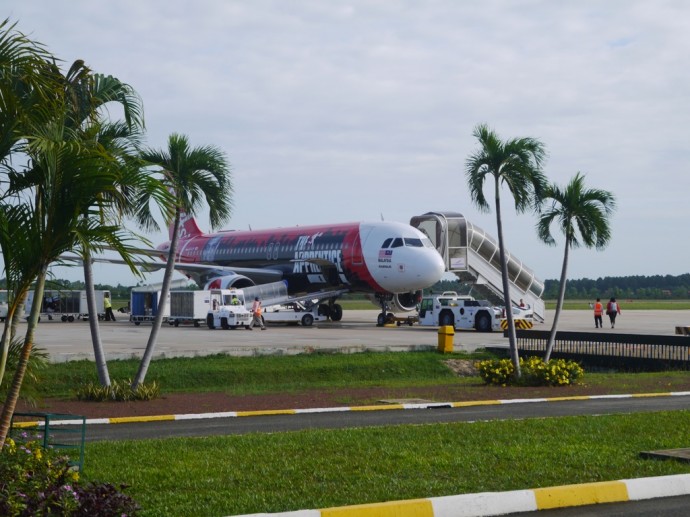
(412, 508)
(578, 495)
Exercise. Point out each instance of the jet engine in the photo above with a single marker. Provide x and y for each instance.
(406, 301)
(401, 302)
(231, 281)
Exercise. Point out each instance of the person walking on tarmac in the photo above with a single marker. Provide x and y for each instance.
(598, 311)
(256, 312)
(613, 310)
(108, 307)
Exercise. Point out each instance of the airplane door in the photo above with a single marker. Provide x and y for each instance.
(358, 244)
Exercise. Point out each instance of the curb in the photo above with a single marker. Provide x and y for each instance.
(378, 407)
(500, 503)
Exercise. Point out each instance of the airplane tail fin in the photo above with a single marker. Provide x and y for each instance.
(188, 227)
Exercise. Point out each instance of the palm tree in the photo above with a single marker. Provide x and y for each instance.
(193, 176)
(86, 94)
(578, 211)
(515, 164)
(65, 179)
(23, 86)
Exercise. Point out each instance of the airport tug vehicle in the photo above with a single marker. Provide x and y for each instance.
(460, 312)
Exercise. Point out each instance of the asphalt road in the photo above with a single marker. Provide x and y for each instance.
(348, 419)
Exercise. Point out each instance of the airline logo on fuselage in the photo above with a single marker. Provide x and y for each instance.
(305, 254)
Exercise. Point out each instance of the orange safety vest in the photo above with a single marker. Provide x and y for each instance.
(598, 309)
(256, 309)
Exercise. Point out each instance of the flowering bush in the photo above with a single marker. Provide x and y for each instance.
(38, 481)
(535, 372)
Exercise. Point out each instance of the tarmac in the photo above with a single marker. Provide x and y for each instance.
(71, 341)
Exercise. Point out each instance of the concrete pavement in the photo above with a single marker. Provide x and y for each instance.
(357, 332)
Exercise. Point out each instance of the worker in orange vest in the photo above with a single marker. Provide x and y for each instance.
(598, 311)
(256, 315)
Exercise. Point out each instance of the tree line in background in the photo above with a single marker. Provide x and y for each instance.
(655, 287)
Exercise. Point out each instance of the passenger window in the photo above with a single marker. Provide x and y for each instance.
(397, 242)
(386, 243)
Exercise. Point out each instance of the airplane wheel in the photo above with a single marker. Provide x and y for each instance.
(380, 319)
(337, 312)
(324, 310)
(224, 323)
(209, 322)
(307, 320)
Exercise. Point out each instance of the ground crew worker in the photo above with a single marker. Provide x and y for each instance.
(108, 307)
(235, 300)
(256, 311)
(598, 311)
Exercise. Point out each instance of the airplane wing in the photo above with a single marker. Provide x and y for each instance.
(199, 272)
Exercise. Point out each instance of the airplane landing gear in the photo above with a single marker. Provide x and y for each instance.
(384, 316)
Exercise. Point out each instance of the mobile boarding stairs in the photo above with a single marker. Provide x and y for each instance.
(473, 256)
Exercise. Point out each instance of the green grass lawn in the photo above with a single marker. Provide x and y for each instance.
(292, 374)
(229, 475)
(252, 473)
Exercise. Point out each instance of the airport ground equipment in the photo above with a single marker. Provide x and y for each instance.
(460, 312)
(473, 256)
(189, 307)
(65, 305)
(144, 303)
(293, 312)
(224, 312)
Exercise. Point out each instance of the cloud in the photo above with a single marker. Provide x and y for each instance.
(335, 112)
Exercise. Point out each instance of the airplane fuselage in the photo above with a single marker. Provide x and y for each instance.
(383, 257)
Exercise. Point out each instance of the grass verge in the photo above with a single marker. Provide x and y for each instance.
(299, 373)
(318, 469)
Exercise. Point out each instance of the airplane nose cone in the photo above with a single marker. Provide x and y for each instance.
(433, 270)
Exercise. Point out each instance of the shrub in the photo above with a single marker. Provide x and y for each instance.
(38, 481)
(535, 372)
(120, 391)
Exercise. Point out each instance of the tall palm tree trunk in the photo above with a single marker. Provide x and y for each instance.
(512, 338)
(99, 356)
(13, 394)
(158, 320)
(559, 304)
(10, 329)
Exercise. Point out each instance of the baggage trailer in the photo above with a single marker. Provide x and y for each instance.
(189, 307)
(144, 306)
(65, 305)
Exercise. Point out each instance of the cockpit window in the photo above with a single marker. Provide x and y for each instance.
(412, 242)
(427, 242)
(397, 242)
(386, 243)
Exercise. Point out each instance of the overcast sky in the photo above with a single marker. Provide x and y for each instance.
(351, 111)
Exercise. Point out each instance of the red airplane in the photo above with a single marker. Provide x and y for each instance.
(390, 262)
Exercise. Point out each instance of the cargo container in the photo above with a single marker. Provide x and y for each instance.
(144, 306)
(65, 305)
(189, 307)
